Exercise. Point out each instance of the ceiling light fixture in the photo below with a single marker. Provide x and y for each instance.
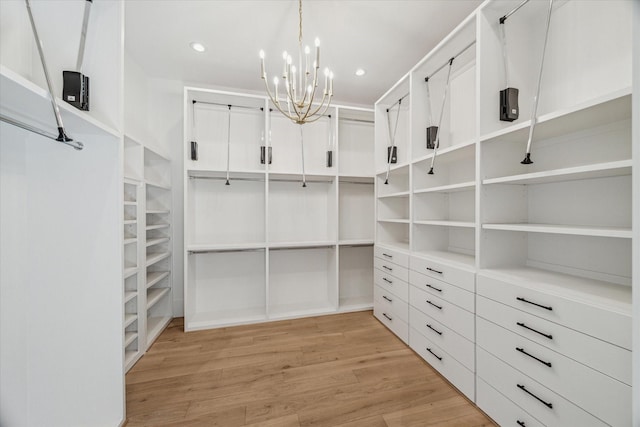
(198, 47)
(300, 83)
(360, 72)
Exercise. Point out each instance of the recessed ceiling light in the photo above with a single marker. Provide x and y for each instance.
(198, 47)
(360, 72)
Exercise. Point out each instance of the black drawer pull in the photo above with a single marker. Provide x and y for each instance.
(521, 423)
(435, 355)
(387, 268)
(388, 299)
(535, 303)
(439, 307)
(387, 280)
(533, 330)
(433, 329)
(523, 388)
(385, 315)
(387, 255)
(522, 350)
(435, 271)
(433, 287)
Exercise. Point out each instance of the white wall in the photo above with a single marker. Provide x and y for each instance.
(60, 281)
(636, 212)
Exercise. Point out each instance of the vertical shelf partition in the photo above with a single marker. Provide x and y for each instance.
(263, 247)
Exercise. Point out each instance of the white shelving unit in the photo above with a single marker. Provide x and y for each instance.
(549, 243)
(263, 247)
(147, 247)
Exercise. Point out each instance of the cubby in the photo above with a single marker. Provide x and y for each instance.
(356, 133)
(355, 277)
(356, 217)
(302, 281)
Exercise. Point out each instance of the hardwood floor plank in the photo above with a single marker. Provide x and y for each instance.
(344, 370)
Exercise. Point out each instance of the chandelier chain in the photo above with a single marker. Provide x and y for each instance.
(300, 24)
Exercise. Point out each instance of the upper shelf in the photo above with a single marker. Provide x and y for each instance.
(599, 111)
(27, 102)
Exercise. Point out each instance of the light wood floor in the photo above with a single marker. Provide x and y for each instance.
(342, 370)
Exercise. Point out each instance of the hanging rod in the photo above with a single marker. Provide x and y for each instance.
(358, 121)
(288, 248)
(222, 178)
(398, 101)
(426, 79)
(229, 105)
(342, 181)
(209, 251)
(318, 181)
(514, 10)
(75, 144)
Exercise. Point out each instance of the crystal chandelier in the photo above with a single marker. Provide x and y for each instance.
(300, 83)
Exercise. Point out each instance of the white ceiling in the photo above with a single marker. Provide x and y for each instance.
(385, 37)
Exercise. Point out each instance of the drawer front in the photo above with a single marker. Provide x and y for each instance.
(453, 343)
(601, 356)
(500, 409)
(444, 290)
(531, 396)
(462, 278)
(574, 381)
(392, 284)
(389, 267)
(607, 325)
(439, 359)
(450, 315)
(394, 323)
(389, 303)
(396, 257)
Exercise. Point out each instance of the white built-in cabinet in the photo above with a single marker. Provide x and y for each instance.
(264, 247)
(514, 281)
(147, 247)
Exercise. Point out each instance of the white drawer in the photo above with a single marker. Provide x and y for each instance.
(574, 381)
(600, 355)
(462, 278)
(395, 324)
(393, 255)
(453, 343)
(389, 267)
(399, 287)
(450, 315)
(389, 303)
(531, 396)
(613, 327)
(500, 409)
(444, 290)
(449, 367)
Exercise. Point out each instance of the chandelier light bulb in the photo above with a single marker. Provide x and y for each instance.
(317, 41)
(307, 50)
(261, 54)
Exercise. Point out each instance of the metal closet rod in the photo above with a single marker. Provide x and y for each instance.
(514, 10)
(222, 178)
(398, 101)
(75, 144)
(426, 79)
(211, 251)
(357, 120)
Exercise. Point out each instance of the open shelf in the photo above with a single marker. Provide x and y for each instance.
(155, 326)
(154, 277)
(356, 210)
(226, 318)
(154, 258)
(157, 226)
(156, 241)
(130, 271)
(302, 245)
(445, 237)
(466, 261)
(450, 188)
(355, 276)
(616, 232)
(129, 295)
(396, 221)
(461, 224)
(154, 295)
(356, 242)
(129, 338)
(211, 247)
(158, 185)
(129, 318)
(356, 143)
(129, 240)
(399, 194)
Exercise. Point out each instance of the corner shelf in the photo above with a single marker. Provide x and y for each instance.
(154, 295)
(615, 232)
(155, 277)
(450, 188)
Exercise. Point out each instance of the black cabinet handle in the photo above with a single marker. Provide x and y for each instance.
(435, 355)
(521, 423)
(385, 315)
(433, 287)
(435, 271)
(523, 388)
(387, 255)
(522, 350)
(546, 307)
(533, 330)
(439, 307)
(387, 280)
(387, 268)
(433, 329)
(388, 299)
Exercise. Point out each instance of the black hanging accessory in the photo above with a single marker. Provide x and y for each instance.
(432, 134)
(509, 109)
(392, 154)
(330, 158)
(75, 88)
(194, 150)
